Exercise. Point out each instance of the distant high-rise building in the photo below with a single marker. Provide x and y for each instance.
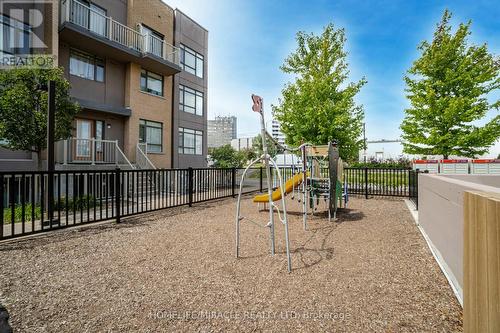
(221, 131)
(276, 132)
(242, 143)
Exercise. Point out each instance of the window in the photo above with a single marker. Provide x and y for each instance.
(14, 36)
(191, 61)
(190, 100)
(190, 141)
(83, 135)
(86, 66)
(151, 83)
(151, 133)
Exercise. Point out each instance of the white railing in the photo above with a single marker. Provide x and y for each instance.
(90, 151)
(141, 157)
(82, 15)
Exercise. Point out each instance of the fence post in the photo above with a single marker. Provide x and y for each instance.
(2, 206)
(261, 180)
(117, 194)
(416, 189)
(409, 183)
(233, 182)
(366, 183)
(190, 186)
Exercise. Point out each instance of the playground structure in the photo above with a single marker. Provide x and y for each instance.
(315, 185)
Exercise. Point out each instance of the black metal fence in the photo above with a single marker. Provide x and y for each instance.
(82, 197)
(378, 182)
(413, 187)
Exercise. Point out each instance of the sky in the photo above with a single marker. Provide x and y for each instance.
(249, 40)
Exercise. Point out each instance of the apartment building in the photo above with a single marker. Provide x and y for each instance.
(221, 131)
(276, 132)
(126, 62)
(242, 143)
(190, 94)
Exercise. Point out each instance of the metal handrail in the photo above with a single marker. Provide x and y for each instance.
(142, 159)
(123, 155)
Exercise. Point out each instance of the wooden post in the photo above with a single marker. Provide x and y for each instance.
(481, 262)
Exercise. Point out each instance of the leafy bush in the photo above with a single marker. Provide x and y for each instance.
(401, 162)
(80, 202)
(18, 213)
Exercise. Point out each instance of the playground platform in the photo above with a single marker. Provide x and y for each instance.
(175, 270)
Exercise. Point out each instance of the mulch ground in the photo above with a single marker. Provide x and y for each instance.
(175, 270)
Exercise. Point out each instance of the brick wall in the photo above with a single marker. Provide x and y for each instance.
(148, 107)
(158, 16)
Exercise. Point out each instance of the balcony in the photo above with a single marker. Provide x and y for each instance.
(77, 152)
(100, 34)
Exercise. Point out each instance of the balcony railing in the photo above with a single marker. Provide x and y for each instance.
(90, 151)
(80, 14)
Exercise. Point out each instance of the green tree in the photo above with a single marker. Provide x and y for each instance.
(272, 150)
(23, 108)
(248, 154)
(227, 157)
(447, 88)
(319, 106)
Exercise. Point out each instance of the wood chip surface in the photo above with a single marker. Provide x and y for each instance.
(175, 271)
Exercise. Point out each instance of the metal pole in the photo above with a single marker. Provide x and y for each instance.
(190, 186)
(117, 195)
(238, 205)
(304, 187)
(366, 183)
(268, 174)
(364, 142)
(233, 182)
(50, 149)
(284, 221)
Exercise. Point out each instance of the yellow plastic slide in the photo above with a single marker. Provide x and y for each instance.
(289, 186)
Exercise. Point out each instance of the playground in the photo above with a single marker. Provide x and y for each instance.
(175, 270)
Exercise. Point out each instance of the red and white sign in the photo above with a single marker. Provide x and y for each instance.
(425, 161)
(454, 161)
(485, 167)
(431, 166)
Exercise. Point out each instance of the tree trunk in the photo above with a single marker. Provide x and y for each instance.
(445, 157)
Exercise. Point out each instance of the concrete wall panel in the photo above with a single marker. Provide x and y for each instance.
(441, 206)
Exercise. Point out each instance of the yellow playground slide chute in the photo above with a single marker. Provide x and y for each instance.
(289, 186)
